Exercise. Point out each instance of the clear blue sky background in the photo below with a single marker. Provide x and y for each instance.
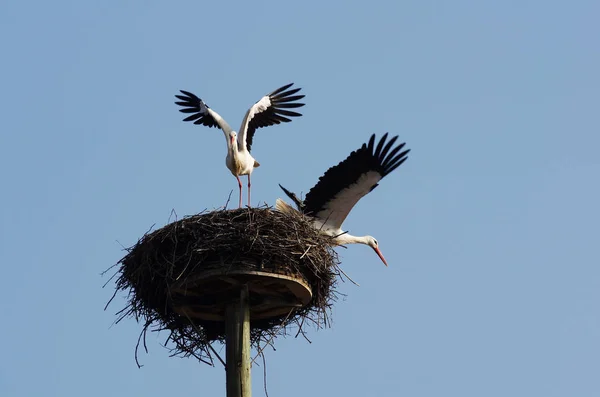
(490, 227)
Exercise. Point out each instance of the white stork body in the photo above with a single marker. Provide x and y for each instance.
(269, 110)
(330, 201)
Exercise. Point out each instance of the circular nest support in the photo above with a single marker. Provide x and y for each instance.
(181, 277)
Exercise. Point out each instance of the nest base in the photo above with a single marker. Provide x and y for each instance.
(205, 296)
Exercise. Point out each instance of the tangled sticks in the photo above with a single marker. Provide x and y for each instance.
(181, 277)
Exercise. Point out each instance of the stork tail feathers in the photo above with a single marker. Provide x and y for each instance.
(284, 207)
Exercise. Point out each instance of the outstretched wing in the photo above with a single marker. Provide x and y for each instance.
(343, 185)
(201, 114)
(269, 110)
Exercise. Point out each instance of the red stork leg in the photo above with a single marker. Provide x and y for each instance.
(249, 190)
(240, 186)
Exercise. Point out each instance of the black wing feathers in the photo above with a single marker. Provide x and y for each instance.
(285, 87)
(366, 159)
(293, 197)
(275, 114)
(192, 104)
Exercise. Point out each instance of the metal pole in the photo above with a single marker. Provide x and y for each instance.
(237, 347)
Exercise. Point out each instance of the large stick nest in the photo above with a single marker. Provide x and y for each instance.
(222, 242)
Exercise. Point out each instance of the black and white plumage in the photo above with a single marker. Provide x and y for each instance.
(271, 109)
(330, 201)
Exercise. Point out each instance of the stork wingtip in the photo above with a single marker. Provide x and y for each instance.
(287, 192)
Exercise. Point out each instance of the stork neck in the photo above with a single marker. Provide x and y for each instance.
(233, 147)
(350, 239)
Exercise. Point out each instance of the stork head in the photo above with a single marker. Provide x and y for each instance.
(232, 138)
(371, 242)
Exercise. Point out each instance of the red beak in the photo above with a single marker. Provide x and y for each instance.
(380, 256)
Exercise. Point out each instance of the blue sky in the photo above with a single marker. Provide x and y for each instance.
(490, 227)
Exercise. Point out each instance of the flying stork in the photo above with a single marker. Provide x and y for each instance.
(330, 201)
(269, 110)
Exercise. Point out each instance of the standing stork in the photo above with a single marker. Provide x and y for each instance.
(269, 110)
(330, 201)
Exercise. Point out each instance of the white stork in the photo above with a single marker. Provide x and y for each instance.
(269, 110)
(330, 201)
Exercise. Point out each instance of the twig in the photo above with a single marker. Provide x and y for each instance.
(299, 327)
(341, 234)
(348, 277)
(200, 333)
(304, 336)
(171, 214)
(111, 298)
(185, 268)
(265, 374)
(143, 333)
(272, 336)
(111, 277)
(228, 199)
(306, 252)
